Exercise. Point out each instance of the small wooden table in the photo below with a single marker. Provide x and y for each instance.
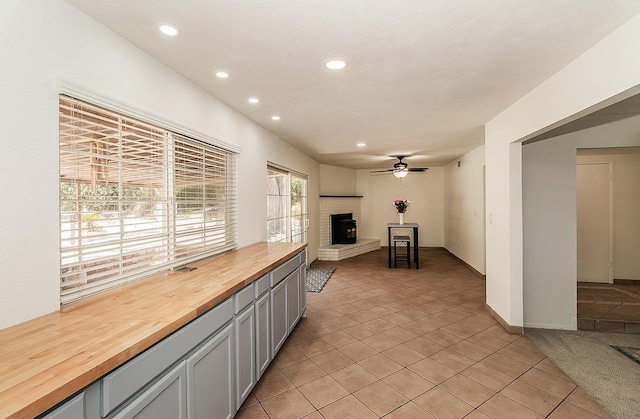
(414, 231)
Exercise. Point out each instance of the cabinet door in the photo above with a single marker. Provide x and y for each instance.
(166, 399)
(128, 379)
(293, 295)
(245, 354)
(72, 409)
(263, 342)
(210, 388)
(279, 321)
(302, 301)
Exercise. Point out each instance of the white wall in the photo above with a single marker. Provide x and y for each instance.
(464, 208)
(626, 205)
(48, 40)
(605, 74)
(337, 180)
(549, 221)
(423, 190)
(549, 224)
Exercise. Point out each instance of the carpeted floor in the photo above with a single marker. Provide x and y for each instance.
(610, 377)
(629, 352)
(317, 276)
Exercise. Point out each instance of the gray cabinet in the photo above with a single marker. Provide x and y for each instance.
(121, 384)
(245, 353)
(71, 409)
(279, 320)
(207, 368)
(293, 295)
(210, 389)
(302, 301)
(263, 335)
(166, 398)
(288, 300)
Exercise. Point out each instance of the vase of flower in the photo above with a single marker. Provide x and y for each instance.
(401, 206)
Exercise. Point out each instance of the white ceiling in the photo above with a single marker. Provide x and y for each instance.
(423, 76)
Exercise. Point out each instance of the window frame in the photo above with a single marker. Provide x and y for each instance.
(286, 203)
(171, 136)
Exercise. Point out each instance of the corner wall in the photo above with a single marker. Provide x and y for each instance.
(605, 74)
(549, 227)
(337, 180)
(36, 54)
(425, 191)
(549, 234)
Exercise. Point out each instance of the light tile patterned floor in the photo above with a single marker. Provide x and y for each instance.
(399, 343)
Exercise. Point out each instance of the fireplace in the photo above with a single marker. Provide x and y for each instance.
(343, 229)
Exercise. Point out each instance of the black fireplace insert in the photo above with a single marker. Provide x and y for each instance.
(343, 229)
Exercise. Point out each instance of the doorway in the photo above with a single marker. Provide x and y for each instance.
(594, 196)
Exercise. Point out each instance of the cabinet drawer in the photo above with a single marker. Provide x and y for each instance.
(281, 272)
(122, 383)
(164, 399)
(243, 298)
(262, 285)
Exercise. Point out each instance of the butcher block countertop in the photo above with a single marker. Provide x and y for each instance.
(45, 360)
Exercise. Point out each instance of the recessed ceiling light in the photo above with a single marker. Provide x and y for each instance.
(335, 64)
(275, 117)
(254, 100)
(169, 30)
(222, 74)
(361, 144)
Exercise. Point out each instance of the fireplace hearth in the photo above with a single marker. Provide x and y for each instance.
(343, 229)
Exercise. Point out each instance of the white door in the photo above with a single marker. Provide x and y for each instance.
(594, 216)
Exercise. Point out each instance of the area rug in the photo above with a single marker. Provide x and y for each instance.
(317, 276)
(591, 361)
(633, 353)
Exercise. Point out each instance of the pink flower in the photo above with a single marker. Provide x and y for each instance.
(401, 205)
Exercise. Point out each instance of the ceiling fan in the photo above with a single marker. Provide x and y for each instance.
(401, 169)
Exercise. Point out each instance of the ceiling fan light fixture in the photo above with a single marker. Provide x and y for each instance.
(401, 173)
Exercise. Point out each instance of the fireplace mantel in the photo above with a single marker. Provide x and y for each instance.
(341, 196)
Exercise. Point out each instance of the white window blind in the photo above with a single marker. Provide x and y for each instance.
(136, 199)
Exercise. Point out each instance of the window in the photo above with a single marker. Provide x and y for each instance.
(136, 199)
(286, 206)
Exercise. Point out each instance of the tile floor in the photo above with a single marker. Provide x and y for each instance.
(399, 343)
(609, 307)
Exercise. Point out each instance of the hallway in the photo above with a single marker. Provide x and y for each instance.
(609, 307)
(399, 343)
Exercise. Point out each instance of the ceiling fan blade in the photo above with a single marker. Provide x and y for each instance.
(383, 171)
(418, 169)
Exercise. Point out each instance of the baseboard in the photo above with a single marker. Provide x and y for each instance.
(518, 330)
(471, 268)
(549, 326)
(626, 281)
